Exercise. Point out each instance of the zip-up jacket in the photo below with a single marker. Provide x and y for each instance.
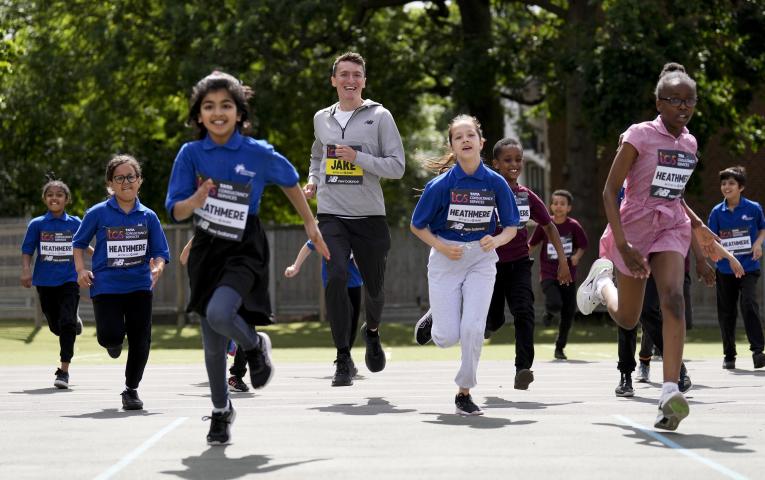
(371, 129)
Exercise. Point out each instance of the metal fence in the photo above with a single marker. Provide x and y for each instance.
(300, 297)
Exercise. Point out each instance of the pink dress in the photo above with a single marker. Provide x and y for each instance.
(652, 216)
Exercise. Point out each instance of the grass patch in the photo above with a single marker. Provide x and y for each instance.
(23, 344)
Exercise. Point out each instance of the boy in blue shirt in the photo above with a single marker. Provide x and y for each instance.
(740, 224)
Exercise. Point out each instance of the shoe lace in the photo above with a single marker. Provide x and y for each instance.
(218, 422)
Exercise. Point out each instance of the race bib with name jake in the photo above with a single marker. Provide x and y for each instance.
(126, 246)
(568, 248)
(522, 201)
(224, 214)
(673, 171)
(341, 172)
(737, 241)
(56, 247)
(470, 210)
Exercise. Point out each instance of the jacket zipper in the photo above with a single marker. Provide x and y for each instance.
(342, 129)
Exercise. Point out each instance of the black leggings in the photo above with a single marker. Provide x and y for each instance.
(126, 313)
(59, 305)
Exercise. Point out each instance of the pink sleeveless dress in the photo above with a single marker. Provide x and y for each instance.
(652, 215)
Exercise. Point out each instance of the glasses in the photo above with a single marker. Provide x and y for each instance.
(121, 178)
(676, 102)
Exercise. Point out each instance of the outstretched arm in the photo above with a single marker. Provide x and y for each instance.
(294, 269)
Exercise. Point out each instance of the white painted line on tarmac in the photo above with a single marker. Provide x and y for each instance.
(680, 449)
(138, 451)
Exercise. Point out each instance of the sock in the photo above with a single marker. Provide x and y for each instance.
(128, 388)
(371, 333)
(602, 282)
(222, 410)
(668, 388)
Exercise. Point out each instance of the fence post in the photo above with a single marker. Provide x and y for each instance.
(180, 289)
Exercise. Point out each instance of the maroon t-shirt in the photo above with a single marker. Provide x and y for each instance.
(573, 238)
(529, 206)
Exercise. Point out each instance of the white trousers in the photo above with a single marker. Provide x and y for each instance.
(460, 294)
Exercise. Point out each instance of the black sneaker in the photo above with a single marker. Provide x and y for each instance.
(114, 352)
(684, 384)
(465, 406)
(729, 363)
(559, 355)
(259, 361)
(62, 379)
(487, 333)
(78, 327)
(422, 329)
(375, 356)
(759, 359)
(343, 376)
(236, 384)
(523, 378)
(130, 400)
(352, 367)
(220, 426)
(624, 389)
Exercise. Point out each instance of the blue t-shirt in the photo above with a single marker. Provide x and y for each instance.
(737, 230)
(51, 238)
(460, 207)
(354, 276)
(124, 244)
(242, 160)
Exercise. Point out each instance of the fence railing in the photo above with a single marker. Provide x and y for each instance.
(300, 297)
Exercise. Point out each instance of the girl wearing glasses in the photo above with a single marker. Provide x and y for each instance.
(219, 180)
(651, 232)
(130, 254)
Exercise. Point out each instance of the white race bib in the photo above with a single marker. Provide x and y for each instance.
(568, 248)
(522, 202)
(470, 210)
(673, 171)
(737, 241)
(126, 246)
(56, 247)
(225, 211)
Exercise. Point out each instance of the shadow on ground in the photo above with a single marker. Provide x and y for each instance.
(374, 406)
(693, 441)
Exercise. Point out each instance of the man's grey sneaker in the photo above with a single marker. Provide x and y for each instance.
(130, 400)
(375, 356)
(729, 363)
(259, 362)
(523, 378)
(220, 426)
(587, 296)
(644, 373)
(78, 326)
(624, 389)
(559, 354)
(758, 359)
(422, 329)
(62, 379)
(115, 351)
(672, 410)
(236, 384)
(465, 406)
(342, 376)
(684, 384)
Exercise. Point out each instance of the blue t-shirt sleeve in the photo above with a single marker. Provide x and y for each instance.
(30, 239)
(280, 171)
(310, 246)
(87, 229)
(506, 207)
(157, 240)
(426, 207)
(182, 182)
(712, 222)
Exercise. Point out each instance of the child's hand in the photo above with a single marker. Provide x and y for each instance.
(708, 242)
(636, 263)
(85, 278)
(735, 265)
(309, 190)
(26, 278)
(156, 267)
(564, 274)
(705, 273)
(757, 252)
(488, 243)
(452, 252)
(291, 271)
(200, 196)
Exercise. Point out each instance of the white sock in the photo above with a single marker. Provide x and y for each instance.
(222, 410)
(128, 388)
(602, 282)
(668, 388)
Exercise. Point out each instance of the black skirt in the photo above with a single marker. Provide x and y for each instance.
(243, 266)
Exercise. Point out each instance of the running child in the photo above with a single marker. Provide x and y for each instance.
(455, 217)
(741, 226)
(219, 179)
(560, 298)
(651, 232)
(345, 369)
(129, 257)
(55, 278)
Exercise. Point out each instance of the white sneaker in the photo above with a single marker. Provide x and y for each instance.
(587, 297)
(672, 410)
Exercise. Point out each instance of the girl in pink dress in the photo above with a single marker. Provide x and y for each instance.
(651, 232)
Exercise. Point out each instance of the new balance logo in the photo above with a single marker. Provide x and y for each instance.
(369, 122)
(118, 262)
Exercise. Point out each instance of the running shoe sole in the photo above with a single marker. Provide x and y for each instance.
(417, 325)
(672, 412)
(523, 379)
(586, 290)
